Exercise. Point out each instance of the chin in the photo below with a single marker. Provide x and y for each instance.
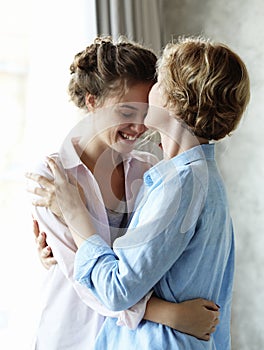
(123, 147)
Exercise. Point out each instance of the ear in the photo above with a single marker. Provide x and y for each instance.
(90, 102)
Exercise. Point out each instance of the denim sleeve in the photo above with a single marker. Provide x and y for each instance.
(87, 256)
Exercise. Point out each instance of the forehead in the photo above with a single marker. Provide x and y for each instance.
(137, 93)
(155, 97)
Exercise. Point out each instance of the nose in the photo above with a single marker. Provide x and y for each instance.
(138, 125)
(139, 128)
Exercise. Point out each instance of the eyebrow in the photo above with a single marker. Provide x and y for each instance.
(128, 106)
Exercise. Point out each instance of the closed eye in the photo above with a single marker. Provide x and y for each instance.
(128, 111)
(128, 115)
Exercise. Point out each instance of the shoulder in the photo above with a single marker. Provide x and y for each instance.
(42, 168)
(175, 180)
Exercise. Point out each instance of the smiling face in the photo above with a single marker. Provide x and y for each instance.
(124, 122)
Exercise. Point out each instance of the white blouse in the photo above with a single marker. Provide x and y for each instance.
(70, 316)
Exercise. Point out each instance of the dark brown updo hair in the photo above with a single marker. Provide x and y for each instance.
(106, 69)
(205, 84)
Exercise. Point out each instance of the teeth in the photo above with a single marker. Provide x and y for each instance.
(129, 137)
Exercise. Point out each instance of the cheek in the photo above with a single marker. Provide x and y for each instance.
(122, 127)
(110, 135)
(157, 118)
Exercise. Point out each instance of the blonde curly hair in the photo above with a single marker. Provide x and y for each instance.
(205, 84)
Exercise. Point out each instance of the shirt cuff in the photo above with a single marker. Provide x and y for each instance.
(134, 315)
(87, 256)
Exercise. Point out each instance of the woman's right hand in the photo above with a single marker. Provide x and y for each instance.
(47, 193)
(44, 251)
(197, 317)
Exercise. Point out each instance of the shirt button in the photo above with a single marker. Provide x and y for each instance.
(148, 180)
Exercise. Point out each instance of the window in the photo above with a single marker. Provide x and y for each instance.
(38, 42)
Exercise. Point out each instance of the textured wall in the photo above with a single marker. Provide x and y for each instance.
(240, 25)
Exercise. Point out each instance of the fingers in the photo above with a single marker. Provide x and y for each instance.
(40, 191)
(217, 314)
(49, 262)
(213, 309)
(45, 193)
(41, 203)
(206, 337)
(45, 196)
(213, 329)
(210, 305)
(45, 252)
(58, 175)
(35, 228)
(42, 180)
(41, 241)
(216, 321)
(47, 258)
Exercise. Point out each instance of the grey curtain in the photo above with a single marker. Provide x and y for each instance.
(139, 20)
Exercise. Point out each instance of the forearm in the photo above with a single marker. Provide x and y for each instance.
(163, 312)
(79, 240)
(118, 277)
(197, 317)
(80, 225)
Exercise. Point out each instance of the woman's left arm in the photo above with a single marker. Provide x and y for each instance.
(197, 317)
(110, 274)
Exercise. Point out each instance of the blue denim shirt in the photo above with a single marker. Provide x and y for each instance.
(179, 243)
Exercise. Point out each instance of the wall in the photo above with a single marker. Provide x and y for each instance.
(238, 24)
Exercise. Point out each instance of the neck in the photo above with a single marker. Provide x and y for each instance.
(107, 168)
(178, 140)
(96, 155)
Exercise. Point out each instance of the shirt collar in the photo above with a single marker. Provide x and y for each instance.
(202, 152)
(68, 155)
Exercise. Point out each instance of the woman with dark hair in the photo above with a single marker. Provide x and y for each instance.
(111, 82)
